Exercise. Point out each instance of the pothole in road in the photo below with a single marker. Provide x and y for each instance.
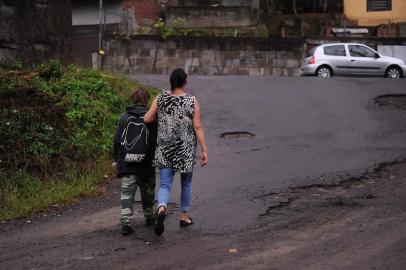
(237, 135)
(393, 101)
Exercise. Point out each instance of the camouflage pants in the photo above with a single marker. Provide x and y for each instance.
(129, 184)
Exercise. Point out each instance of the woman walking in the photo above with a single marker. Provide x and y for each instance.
(178, 126)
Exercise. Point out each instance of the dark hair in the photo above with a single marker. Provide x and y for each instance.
(140, 96)
(178, 78)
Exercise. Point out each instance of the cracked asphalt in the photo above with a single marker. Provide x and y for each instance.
(306, 130)
(305, 175)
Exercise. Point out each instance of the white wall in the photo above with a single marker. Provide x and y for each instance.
(87, 13)
(393, 51)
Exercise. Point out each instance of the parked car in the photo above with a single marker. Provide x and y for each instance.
(350, 59)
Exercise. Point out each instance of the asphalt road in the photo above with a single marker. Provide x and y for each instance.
(308, 132)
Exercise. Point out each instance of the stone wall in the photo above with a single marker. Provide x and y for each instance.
(35, 31)
(205, 56)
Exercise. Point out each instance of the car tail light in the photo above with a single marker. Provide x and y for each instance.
(312, 60)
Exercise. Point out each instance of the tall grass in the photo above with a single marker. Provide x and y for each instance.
(33, 194)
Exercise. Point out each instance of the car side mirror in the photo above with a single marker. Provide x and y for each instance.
(377, 56)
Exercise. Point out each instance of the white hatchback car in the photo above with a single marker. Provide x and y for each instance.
(350, 59)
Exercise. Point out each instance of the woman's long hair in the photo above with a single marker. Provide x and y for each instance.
(178, 78)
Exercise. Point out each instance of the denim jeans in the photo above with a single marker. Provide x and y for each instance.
(165, 187)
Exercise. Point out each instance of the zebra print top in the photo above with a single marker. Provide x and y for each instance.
(176, 136)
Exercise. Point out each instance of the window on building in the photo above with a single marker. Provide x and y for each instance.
(336, 50)
(360, 51)
(379, 5)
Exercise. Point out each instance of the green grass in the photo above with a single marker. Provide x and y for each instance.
(56, 127)
(37, 194)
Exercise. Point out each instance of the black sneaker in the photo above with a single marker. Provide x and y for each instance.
(159, 225)
(126, 230)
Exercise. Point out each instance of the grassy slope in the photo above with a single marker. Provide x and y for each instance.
(56, 130)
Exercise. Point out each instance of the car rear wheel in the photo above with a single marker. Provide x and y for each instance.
(324, 72)
(393, 72)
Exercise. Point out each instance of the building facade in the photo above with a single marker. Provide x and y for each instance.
(35, 31)
(146, 12)
(375, 12)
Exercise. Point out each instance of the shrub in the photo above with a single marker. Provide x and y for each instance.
(56, 124)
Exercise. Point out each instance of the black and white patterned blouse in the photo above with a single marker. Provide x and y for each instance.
(176, 136)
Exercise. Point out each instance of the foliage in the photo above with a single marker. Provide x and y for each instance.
(54, 119)
(263, 31)
(178, 28)
(51, 71)
(23, 193)
(145, 30)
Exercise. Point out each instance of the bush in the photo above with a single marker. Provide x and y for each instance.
(56, 125)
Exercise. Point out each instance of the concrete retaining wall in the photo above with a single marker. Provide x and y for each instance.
(205, 56)
(393, 51)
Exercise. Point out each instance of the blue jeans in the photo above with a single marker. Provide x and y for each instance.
(166, 181)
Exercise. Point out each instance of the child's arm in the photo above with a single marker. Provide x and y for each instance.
(197, 124)
(149, 116)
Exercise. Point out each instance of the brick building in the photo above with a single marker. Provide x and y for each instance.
(146, 12)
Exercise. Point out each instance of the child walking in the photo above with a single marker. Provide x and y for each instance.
(133, 153)
(179, 125)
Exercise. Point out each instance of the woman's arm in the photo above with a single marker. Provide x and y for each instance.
(197, 125)
(149, 116)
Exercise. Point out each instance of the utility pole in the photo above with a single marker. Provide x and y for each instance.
(100, 26)
(100, 53)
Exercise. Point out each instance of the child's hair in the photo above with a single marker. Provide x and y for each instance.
(178, 78)
(140, 96)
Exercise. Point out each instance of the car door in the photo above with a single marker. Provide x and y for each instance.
(364, 61)
(336, 57)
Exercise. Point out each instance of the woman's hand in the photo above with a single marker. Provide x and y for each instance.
(149, 116)
(203, 159)
(197, 124)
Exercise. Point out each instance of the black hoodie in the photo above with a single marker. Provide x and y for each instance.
(124, 168)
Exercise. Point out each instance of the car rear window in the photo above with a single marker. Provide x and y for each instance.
(311, 52)
(335, 50)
